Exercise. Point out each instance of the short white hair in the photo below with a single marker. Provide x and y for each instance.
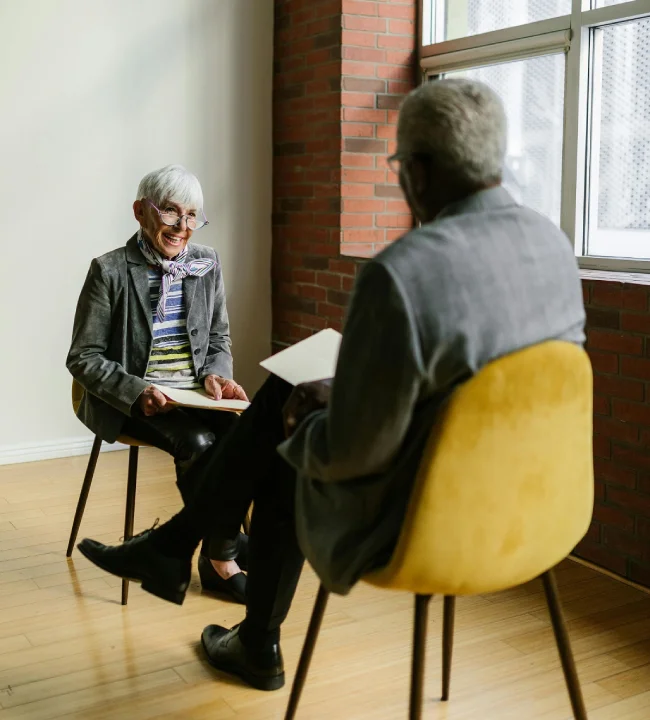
(173, 183)
(461, 125)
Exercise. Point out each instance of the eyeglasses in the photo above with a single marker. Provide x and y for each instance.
(395, 161)
(173, 218)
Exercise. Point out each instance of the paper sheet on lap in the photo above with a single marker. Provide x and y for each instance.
(307, 361)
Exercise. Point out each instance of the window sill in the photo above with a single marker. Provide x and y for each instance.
(615, 276)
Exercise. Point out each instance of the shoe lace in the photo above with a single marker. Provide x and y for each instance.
(156, 522)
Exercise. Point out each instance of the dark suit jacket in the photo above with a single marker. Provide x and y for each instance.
(112, 333)
(487, 278)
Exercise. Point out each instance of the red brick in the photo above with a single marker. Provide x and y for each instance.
(396, 42)
(304, 276)
(362, 236)
(356, 190)
(359, 100)
(347, 283)
(389, 101)
(344, 267)
(351, 220)
(599, 490)
(328, 280)
(602, 446)
(635, 297)
(364, 115)
(612, 516)
(363, 130)
(604, 557)
(635, 367)
(635, 322)
(363, 176)
(586, 292)
(593, 534)
(389, 191)
(631, 412)
(395, 72)
(360, 250)
(631, 457)
(601, 405)
(364, 206)
(357, 160)
(627, 432)
(608, 294)
(611, 472)
(632, 502)
(619, 387)
(360, 7)
(625, 543)
(364, 85)
(363, 54)
(331, 311)
(402, 27)
(364, 145)
(643, 484)
(356, 38)
(640, 574)
(368, 24)
(394, 221)
(615, 342)
(313, 293)
(403, 12)
(353, 68)
(603, 362)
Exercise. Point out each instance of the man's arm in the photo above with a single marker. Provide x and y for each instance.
(218, 361)
(86, 360)
(378, 382)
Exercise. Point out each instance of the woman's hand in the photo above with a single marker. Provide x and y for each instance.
(219, 388)
(153, 402)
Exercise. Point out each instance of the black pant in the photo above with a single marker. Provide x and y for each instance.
(246, 467)
(186, 434)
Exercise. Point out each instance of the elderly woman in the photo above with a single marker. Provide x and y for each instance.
(154, 311)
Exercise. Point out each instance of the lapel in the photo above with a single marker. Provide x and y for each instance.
(190, 285)
(137, 267)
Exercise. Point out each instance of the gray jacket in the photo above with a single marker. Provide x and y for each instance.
(487, 278)
(112, 333)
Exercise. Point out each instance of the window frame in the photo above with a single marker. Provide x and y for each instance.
(573, 35)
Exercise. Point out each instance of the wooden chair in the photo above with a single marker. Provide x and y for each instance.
(134, 449)
(505, 492)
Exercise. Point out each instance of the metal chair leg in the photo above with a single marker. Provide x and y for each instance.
(447, 643)
(83, 496)
(419, 648)
(130, 508)
(307, 652)
(564, 646)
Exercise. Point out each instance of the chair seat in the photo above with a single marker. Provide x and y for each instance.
(132, 442)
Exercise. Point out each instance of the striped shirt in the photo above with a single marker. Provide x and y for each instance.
(170, 362)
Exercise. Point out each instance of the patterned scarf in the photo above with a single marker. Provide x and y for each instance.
(172, 270)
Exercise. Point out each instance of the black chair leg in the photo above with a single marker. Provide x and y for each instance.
(564, 646)
(83, 496)
(307, 652)
(130, 509)
(419, 648)
(447, 643)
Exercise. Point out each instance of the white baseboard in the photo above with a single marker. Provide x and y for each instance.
(30, 452)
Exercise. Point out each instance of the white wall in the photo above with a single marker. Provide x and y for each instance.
(96, 93)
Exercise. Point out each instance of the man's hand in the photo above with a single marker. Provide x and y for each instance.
(153, 402)
(219, 388)
(303, 401)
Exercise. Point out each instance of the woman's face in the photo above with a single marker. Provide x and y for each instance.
(167, 240)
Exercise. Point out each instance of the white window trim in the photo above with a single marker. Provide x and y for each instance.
(570, 34)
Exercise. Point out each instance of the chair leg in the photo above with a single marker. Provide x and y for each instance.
(130, 509)
(307, 652)
(419, 648)
(83, 496)
(447, 643)
(564, 646)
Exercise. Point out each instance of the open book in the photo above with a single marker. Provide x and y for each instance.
(307, 361)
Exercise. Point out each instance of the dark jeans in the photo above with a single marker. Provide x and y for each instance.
(246, 467)
(186, 434)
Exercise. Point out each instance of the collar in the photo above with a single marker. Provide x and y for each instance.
(481, 201)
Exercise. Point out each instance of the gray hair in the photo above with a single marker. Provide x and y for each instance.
(172, 183)
(461, 125)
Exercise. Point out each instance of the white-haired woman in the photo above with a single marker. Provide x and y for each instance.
(154, 311)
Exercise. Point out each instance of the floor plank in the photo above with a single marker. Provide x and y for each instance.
(69, 650)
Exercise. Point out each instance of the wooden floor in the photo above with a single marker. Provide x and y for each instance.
(68, 649)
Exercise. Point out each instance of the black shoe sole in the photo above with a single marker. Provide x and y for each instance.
(255, 681)
(173, 596)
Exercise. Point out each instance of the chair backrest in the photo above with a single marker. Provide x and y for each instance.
(505, 489)
(77, 395)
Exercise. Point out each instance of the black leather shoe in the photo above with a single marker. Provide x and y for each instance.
(140, 560)
(211, 581)
(261, 669)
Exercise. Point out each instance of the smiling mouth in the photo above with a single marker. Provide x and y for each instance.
(173, 240)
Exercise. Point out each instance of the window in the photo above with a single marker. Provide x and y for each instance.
(574, 76)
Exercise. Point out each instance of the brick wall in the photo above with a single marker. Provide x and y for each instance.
(341, 69)
(618, 322)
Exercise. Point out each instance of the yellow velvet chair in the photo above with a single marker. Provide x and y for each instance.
(504, 493)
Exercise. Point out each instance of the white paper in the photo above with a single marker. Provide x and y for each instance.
(307, 361)
(198, 399)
